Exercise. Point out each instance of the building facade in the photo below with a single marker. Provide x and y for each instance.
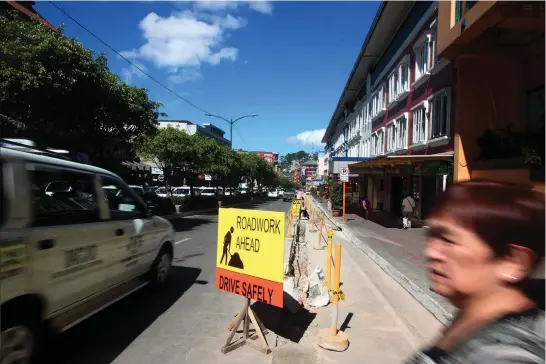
(207, 130)
(497, 52)
(404, 109)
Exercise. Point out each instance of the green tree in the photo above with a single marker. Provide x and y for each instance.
(299, 156)
(168, 148)
(58, 93)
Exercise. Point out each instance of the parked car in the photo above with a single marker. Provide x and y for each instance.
(273, 193)
(68, 252)
(288, 195)
(280, 191)
(208, 191)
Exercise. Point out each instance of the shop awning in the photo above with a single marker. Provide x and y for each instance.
(393, 160)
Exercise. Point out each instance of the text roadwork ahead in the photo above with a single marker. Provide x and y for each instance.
(259, 224)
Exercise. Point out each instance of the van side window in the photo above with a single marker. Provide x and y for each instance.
(3, 200)
(62, 197)
(122, 202)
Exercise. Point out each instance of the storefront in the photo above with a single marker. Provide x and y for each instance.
(389, 179)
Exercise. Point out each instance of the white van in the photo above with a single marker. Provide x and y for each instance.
(68, 247)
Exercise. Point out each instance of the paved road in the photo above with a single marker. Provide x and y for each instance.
(182, 323)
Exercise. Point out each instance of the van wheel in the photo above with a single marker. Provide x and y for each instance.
(20, 339)
(161, 268)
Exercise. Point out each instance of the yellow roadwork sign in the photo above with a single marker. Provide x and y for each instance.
(251, 242)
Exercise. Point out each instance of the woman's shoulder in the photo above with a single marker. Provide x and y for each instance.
(517, 338)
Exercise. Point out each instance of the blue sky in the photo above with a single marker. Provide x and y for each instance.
(286, 61)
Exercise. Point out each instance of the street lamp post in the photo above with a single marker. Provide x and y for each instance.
(231, 122)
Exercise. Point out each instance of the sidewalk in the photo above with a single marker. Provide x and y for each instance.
(398, 252)
(385, 324)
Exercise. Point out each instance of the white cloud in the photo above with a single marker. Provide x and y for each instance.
(190, 38)
(308, 137)
(262, 6)
(184, 75)
(128, 73)
(186, 39)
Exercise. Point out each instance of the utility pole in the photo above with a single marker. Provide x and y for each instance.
(231, 122)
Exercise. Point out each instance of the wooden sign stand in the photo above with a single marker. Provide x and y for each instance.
(246, 316)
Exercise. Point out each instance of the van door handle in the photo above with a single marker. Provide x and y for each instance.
(46, 244)
(120, 232)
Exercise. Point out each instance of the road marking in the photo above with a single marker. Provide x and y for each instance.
(181, 241)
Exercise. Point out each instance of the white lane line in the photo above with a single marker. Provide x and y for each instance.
(181, 241)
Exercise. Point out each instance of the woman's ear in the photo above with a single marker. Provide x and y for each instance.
(517, 264)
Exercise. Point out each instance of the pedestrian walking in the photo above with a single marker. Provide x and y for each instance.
(303, 209)
(485, 254)
(408, 206)
(366, 207)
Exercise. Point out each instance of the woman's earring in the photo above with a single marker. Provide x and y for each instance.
(509, 276)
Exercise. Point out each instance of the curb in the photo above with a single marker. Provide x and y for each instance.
(431, 304)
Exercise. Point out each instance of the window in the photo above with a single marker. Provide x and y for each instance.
(401, 132)
(421, 59)
(419, 124)
(458, 10)
(439, 114)
(123, 202)
(391, 137)
(378, 102)
(393, 87)
(378, 142)
(63, 196)
(403, 77)
(534, 111)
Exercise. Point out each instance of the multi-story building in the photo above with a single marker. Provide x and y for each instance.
(208, 130)
(322, 166)
(404, 103)
(497, 53)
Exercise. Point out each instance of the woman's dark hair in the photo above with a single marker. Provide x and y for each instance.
(499, 213)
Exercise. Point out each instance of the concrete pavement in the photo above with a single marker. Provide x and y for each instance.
(385, 324)
(399, 253)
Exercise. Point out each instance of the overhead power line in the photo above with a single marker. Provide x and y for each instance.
(125, 58)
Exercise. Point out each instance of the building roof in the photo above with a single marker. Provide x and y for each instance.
(310, 162)
(387, 20)
(27, 8)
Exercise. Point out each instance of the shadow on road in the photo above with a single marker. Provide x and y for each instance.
(188, 223)
(102, 337)
(282, 322)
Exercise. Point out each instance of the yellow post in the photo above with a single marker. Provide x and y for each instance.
(329, 267)
(343, 218)
(335, 299)
(289, 231)
(330, 235)
(319, 244)
(313, 227)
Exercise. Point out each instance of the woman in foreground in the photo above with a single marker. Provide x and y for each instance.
(486, 242)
